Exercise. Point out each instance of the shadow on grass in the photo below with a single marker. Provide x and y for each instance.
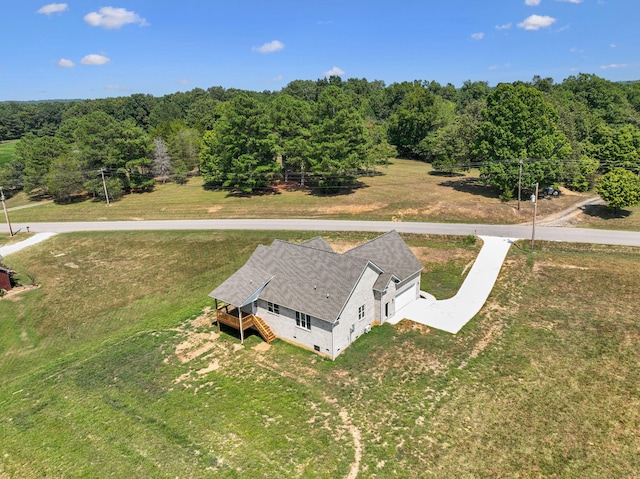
(234, 334)
(337, 190)
(447, 174)
(471, 186)
(604, 212)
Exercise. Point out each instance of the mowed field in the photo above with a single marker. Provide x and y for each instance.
(7, 149)
(110, 368)
(402, 191)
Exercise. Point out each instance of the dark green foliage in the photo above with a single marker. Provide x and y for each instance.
(240, 151)
(620, 188)
(520, 124)
(412, 121)
(570, 126)
(339, 138)
(37, 155)
(64, 179)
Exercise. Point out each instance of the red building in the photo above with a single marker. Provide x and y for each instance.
(5, 280)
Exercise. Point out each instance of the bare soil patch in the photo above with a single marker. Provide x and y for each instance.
(13, 294)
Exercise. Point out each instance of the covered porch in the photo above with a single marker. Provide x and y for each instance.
(234, 317)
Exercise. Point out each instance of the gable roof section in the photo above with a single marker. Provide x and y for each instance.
(390, 253)
(244, 283)
(309, 280)
(318, 243)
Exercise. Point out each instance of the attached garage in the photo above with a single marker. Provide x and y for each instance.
(406, 296)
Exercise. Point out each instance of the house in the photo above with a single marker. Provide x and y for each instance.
(5, 277)
(321, 300)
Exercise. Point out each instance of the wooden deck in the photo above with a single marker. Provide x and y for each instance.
(249, 321)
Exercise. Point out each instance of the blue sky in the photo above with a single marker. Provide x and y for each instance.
(87, 49)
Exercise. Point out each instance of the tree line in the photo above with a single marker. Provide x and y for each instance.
(325, 133)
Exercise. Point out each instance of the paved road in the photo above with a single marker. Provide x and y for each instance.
(573, 235)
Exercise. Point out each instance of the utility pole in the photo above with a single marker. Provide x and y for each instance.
(104, 184)
(6, 213)
(519, 183)
(534, 198)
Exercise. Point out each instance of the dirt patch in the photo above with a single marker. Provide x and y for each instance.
(539, 267)
(213, 366)
(12, 295)
(351, 209)
(204, 320)
(407, 325)
(342, 246)
(491, 334)
(71, 265)
(428, 255)
(195, 345)
(261, 347)
(213, 209)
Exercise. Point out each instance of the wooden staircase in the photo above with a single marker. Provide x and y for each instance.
(263, 329)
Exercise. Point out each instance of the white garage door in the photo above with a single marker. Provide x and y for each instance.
(403, 298)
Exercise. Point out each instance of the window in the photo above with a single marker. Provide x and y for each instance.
(303, 320)
(361, 313)
(273, 308)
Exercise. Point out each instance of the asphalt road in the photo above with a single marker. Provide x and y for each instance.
(573, 235)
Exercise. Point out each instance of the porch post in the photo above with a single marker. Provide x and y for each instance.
(241, 330)
(217, 322)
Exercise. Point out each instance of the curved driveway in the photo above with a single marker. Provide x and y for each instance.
(572, 235)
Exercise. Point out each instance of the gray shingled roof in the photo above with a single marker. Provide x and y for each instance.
(305, 279)
(311, 278)
(390, 253)
(318, 243)
(246, 281)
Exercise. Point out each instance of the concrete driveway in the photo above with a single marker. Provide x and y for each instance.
(15, 247)
(452, 314)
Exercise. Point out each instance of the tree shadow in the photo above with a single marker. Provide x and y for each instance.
(446, 174)
(257, 192)
(336, 190)
(604, 212)
(472, 186)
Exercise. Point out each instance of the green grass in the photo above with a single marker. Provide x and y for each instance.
(7, 150)
(603, 217)
(403, 191)
(544, 382)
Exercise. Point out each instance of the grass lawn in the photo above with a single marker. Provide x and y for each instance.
(403, 191)
(603, 217)
(7, 149)
(111, 367)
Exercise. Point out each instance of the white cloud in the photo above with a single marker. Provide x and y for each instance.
(277, 78)
(570, 1)
(335, 71)
(532, 3)
(614, 65)
(536, 22)
(95, 59)
(477, 36)
(492, 67)
(53, 8)
(613, 45)
(65, 63)
(110, 18)
(269, 47)
(506, 26)
(183, 81)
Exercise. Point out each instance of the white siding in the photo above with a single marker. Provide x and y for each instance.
(284, 326)
(361, 295)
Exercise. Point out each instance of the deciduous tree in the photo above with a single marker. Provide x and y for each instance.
(620, 188)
